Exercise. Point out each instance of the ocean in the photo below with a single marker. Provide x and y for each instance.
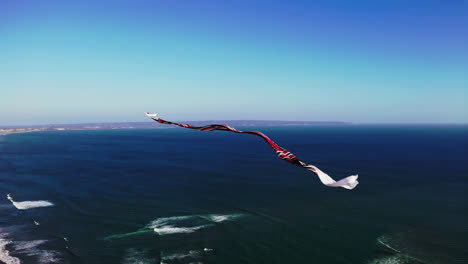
(180, 196)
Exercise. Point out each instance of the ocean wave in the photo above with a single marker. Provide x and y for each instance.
(188, 223)
(395, 259)
(218, 218)
(166, 230)
(117, 236)
(24, 248)
(168, 220)
(193, 254)
(30, 248)
(5, 256)
(48, 256)
(177, 224)
(180, 224)
(385, 241)
(401, 254)
(134, 256)
(29, 204)
(27, 245)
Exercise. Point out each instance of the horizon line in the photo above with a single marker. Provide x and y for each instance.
(245, 120)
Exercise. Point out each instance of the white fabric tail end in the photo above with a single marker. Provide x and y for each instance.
(348, 183)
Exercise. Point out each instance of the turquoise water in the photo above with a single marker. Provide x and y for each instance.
(181, 196)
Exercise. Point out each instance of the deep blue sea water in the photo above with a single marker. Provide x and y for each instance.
(182, 196)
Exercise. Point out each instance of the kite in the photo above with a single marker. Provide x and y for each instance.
(348, 183)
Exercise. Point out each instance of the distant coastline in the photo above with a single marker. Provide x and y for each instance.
(4, 130)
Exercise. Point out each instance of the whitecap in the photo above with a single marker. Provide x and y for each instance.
(117, 236)
(177, 224)
(30, 248)
(181, 255)
(166, 230)
(27, 245)
(134, 256)
(5, 256)
(218, 218)
(188, 223)
(29, 204)
(24, 248)
(180, 224)
(383, 240)
(395, 259)
(47, 256)
(171, 219)
(401, 254)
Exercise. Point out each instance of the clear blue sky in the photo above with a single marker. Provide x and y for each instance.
(358, 61)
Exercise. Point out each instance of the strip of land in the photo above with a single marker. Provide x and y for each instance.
(153, 125)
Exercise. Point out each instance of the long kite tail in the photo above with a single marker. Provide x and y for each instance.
(348, 182)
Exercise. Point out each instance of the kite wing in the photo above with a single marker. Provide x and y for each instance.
(348, 182)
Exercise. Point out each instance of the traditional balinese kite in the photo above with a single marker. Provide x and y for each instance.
(348, 182)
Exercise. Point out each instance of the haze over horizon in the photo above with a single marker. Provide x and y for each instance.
(68, 62)
(233, 122)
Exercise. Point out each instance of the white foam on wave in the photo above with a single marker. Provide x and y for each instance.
(218, 218)
(181, 255)
(134, 256)
(48, 256)
(384, 241)
(5, 254)
(29, 204)
(398, 255)
(169, 220)
(396, 259)
(138, 232)
(187, 223)
(179, 224)
(27, 245)
(176, 224)
(24, 248)
(29, 248)
(166, 230)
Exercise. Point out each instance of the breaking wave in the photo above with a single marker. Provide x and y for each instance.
(384, 241)
(166, 230)
(180, 224)
(24, 248)
(400, 252)
(134, 256)
(188, 223)
(28, 204)
(218, 218)
(5, 254)
(27, 245)
(395, 259)
(193, 254)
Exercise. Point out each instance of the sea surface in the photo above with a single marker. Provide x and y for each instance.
(180, 196)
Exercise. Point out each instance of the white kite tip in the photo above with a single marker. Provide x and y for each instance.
(151, 115)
